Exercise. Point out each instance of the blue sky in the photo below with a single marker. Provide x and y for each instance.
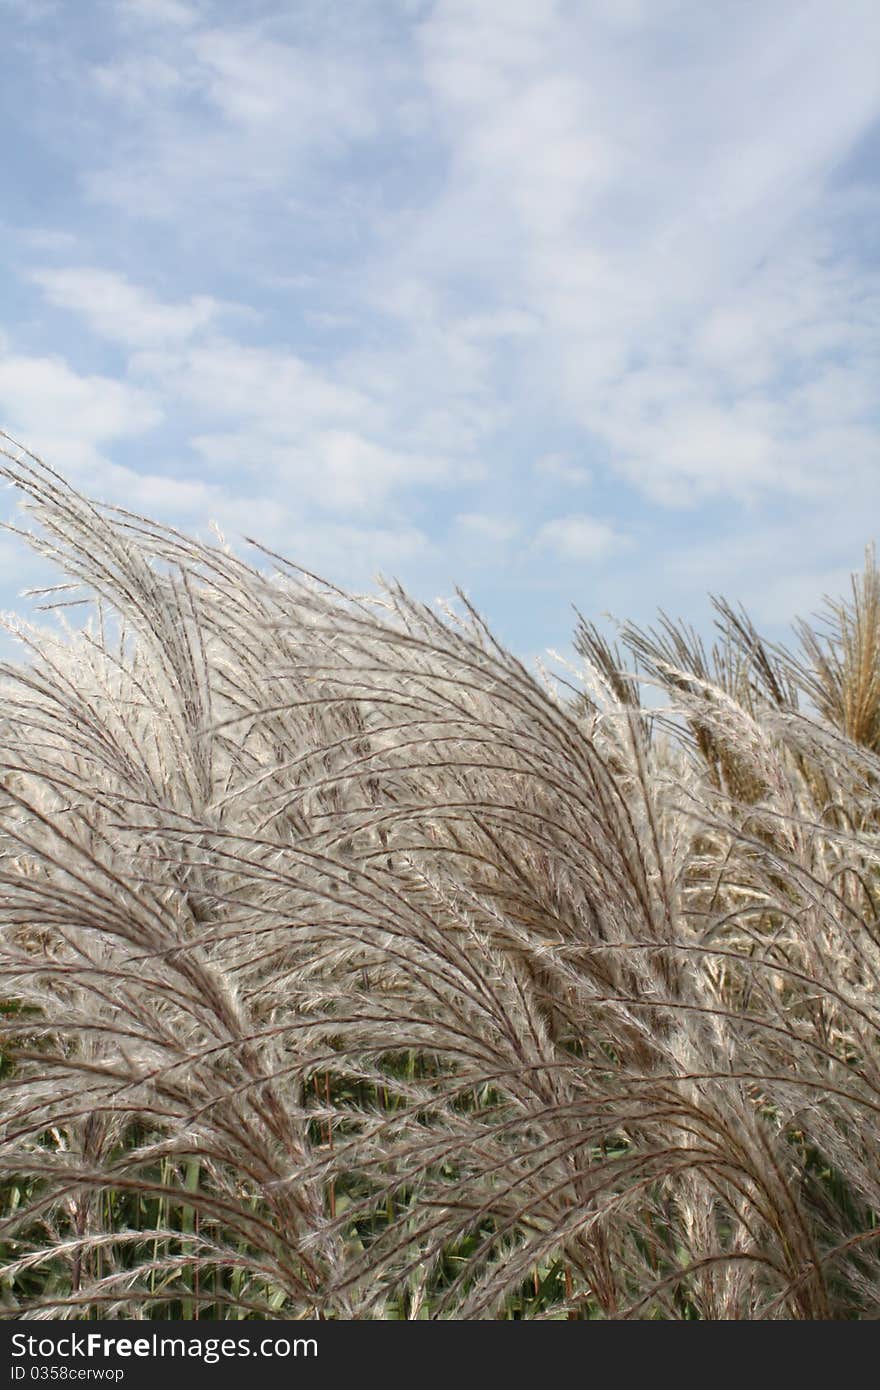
(566, 303)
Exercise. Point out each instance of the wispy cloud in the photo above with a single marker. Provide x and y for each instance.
(562, 468)
(174, 13)
(114, 308)
(44, 400)
(494, 277)
(579, 538)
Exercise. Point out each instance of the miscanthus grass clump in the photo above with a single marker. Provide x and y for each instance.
(349, 971)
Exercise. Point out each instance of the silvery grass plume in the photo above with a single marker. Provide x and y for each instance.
(351, 972)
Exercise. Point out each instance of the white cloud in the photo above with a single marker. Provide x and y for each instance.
(580, 538)
(173, 13)
(359, 554)
(560, 468)
(190, 501)
(272, 389)
(675, 229)
(291, 93)
(272, 413)
(505, 324)
(337, 470)
(116, 309)
(485, 528)
(608, 194)
(51, 408)
(52, 240)
(206, 116)
(139, 79)
(772, 392)
(643, 229)
(296, 425)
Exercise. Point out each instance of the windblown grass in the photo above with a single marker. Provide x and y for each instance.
(350, 972)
